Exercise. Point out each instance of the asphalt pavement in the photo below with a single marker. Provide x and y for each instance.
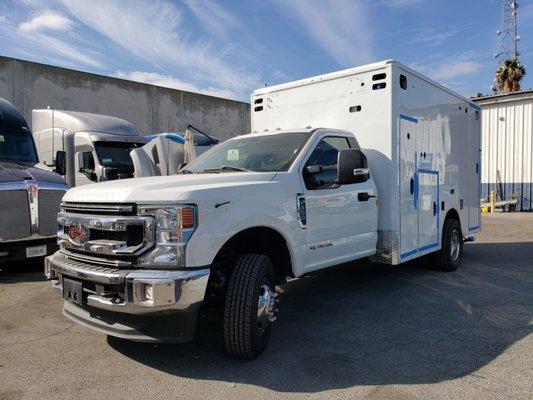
(352, 331)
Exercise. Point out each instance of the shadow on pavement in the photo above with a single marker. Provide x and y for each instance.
(370, 324)
(23, 271)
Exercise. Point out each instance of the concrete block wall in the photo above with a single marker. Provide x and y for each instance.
(152, 109)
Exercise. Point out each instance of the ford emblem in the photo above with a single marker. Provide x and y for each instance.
(78, 234)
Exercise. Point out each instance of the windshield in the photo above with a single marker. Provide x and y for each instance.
(268, 153)
(115, 154)
(17, 146)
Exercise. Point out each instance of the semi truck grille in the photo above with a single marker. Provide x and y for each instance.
(49, 201)
(14, 214)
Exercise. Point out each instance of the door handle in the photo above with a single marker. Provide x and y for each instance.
(434, 208)
(364, 196)
(412, 186)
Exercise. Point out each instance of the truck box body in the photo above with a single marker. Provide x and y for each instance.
(421, 139)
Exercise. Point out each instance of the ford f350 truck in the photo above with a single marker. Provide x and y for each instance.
(30, 195)
(375, 161)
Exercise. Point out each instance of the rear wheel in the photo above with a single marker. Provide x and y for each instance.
(250, 306)
(450, 255)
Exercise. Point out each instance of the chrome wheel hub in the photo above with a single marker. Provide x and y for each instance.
(455, 245)
(266, 307)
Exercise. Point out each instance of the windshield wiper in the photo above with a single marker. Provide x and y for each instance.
(185, 171)
(226, 168)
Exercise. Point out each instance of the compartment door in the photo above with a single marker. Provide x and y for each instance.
(428, 209)
(408, 186)
(474, 171)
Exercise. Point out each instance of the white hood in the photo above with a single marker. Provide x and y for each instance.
(162, 189)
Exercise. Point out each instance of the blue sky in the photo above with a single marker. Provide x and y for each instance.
(228, 48)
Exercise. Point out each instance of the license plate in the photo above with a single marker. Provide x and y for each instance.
(73, 291)
(37, 251)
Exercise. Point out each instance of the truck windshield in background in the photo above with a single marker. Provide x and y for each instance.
(17, 147)
(112, 154)
(268, 153)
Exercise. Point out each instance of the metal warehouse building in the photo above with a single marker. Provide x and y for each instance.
(507, 147)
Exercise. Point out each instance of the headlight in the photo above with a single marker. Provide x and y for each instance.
(174, 227)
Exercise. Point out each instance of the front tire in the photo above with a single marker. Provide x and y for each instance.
(450, 255)
(250, 306)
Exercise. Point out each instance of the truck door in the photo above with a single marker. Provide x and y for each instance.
(408, 135)
(341, 221)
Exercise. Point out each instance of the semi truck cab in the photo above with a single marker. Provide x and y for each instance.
(30, 195)
(96, 147)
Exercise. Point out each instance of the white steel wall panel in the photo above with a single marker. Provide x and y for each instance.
(507, 147)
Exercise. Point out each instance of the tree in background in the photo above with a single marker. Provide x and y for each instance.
(509, 74)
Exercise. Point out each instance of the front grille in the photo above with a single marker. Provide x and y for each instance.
(102, 232)
(49, 202)
(100, 209)
(133, 235)
(14, 215)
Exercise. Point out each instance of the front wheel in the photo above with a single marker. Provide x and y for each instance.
(450, 255)
(250, 306)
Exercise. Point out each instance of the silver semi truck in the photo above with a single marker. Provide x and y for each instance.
(96, 147)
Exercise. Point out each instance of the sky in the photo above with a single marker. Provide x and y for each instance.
(228, 48)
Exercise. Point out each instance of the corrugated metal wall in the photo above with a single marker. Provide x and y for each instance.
(507, 148)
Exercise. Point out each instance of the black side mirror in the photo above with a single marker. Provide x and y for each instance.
(61, 162)
(182, 165)
(352, 167)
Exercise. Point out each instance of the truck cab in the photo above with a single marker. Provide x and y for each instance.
(30, 195)
(96, 147)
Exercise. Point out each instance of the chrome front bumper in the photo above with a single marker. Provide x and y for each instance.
(124, 290)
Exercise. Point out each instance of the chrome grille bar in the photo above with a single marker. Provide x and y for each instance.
(98, 208)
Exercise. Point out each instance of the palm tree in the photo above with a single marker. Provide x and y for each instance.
(509, 74)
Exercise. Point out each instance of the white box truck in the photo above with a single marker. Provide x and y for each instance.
(96, 147)
(375, 161)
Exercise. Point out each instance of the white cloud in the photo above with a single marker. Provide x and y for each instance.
(48, 20)
(152, 31)
(2, 19)
(212, 16)
(434, 39)
(399, 3)
(446, 70)
(67, 50)
(168, 81)
(34, 39)
(340, 28)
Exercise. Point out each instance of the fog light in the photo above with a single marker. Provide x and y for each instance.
(154, 292)
(149, 292)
